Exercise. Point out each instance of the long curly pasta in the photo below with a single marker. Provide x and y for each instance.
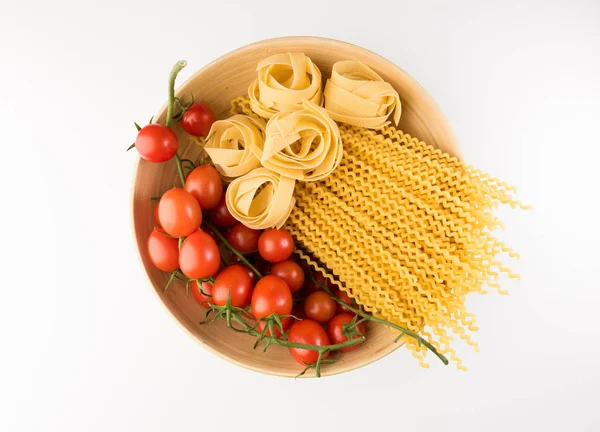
(284, 80)
(233, 143)
(357, 96)
(304, 145)
(261, 199)
(405, 230)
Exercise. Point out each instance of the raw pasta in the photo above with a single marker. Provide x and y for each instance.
(357, 96)
(284, 80)
(261, 199)
(304, 145)
(233, 143)
(405, 230)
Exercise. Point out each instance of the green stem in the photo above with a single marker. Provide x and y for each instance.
(381, 321)
(287, 344)
(180, 169)
(231, 248)
(176, 69)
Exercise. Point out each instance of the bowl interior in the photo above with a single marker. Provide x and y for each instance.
(217, 84)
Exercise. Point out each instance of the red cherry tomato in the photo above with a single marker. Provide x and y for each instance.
(242, 238)
(179, 212)
(202, 299)
(285, 324)
(156, 143)
(320, 307)
(275, 245)
(205, 184)
(234, 279)
(163, 250)
(345, 298)
(198, 119)
(156, 214)
(220, 215)
(311, 333)
(271, 295)
(199, 256)
(335, 327)
(291, 273)
(250, 273)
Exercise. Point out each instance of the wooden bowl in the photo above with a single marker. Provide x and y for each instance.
(217, 84)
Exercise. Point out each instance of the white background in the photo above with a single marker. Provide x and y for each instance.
(86, 345)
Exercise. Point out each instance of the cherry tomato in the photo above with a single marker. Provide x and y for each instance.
(220, 215)
(234, 279)
(285, 324)
(205, 184)
(311, 333)
(198, 119)
(199, 256)
(201, 298)
(271, 295)
(275, 245)
(320, 307)
(156, 143)
(242, 238)
(291, 273)
(163, 250)
(179, 212)
(250, 273)
(156, 214)
(345, 298)
(335, 327)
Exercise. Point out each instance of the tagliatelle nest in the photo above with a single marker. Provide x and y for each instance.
(406, 231)
(284, 81)
(231, 142)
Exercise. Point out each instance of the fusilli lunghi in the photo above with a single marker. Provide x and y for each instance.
(405, 230)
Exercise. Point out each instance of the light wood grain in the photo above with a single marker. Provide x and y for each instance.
(216, 84)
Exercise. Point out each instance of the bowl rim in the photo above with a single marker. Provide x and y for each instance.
(442, 118)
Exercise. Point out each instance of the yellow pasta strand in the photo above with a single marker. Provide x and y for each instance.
(406, 230)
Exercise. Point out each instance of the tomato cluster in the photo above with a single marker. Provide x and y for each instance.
(308, 314)
(218, 260)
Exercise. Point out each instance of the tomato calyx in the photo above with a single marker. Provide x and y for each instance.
(272, 322)
(199, 282)
(228, 312)
(183, 107)
(350, 330)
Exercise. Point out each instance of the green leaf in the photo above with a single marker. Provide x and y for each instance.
(137, 126)
(131, 146)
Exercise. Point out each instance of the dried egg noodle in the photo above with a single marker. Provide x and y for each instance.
(304, 145)
(230, 145)
(406, 230)
(261, 199)
(284, 80)
(357, 96)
